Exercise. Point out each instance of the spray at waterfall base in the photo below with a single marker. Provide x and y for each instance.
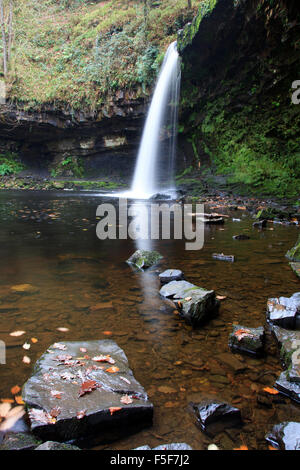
(144, 221)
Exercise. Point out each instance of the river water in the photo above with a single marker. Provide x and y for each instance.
(49, 240)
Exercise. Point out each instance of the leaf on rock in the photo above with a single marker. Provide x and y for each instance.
(125, 380)
(126, 400)
(41, 416)
(87, 387)
(112, 370)
(60, 346)
(19, 400)
(240, 334)
(242, 447)
(55, 412)
(114, 409)
(101, 358)
(56, 394)
(81, 414)
(271, 391)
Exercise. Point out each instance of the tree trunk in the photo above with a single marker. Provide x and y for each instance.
(4, 45)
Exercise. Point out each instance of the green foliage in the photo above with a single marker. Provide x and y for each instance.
(10, 164)
(69, 166)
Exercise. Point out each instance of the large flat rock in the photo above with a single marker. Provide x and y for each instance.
(285, 436)
(283, 311)
(71, 396)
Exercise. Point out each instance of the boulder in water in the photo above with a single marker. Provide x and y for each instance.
(82, 389)
(285, 436)
(283, 311)
(171, 275)
(247, 340)
(19, 441)
(144, 259)
(294, 253)
(214, 415)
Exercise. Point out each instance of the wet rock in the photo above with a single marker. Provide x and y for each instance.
(176, 289)
(211, 220)
(260, 224)
(84, 395)
(198, 306)
(294, 253)
(296, 268)
(222, 257)
(241, 237)
(160, 197)
(289, 343)
(19, 441)
(214, 416)
(247, 340)
(171, 275)
(144, 259)
(290, 389)
(283, 311)
(173, 446)
(285, 436)
(52, 445)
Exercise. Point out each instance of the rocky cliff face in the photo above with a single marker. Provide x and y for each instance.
(107, 139)
(240, 59)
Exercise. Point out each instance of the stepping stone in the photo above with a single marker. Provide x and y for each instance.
(285, 436)
(289, 344)
(231, 361)
(19, 441)
(144, 259)
(222, 257)
(247, 340)
(213, 416)
(284, 311)
(81, 389)
(171, 275)
(287, 388)
(51, 445)
(195, 305)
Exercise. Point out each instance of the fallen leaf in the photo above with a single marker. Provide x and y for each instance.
(126, 400)
(271, 391)
(241, 448)
(56, 394)
(34, 340)
(87, 387)
(19, 400)
(221, 297)
(55, 412)
(112, 370)
(64, 330)
(26, 346)
(240, 334)
(188, 299)
(125, 380)
(61, 346)
(272, 448)
(16, 389)
(113, 409)
(83, 350)
(108, 359)
(7, 400)
(26, 360)
(81, 414)
(41, 416)
(107, 333)
(17, 333)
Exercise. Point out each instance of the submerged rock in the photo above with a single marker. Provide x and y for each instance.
(52, 445)
(285, 436)
(241, 237)
(144, 259)
(213, 416)
(260, 224)
(247, 340)
(294, 253)
(171, 275)
(283, 311)
(19, 441)
(25, 289)
(79, 389)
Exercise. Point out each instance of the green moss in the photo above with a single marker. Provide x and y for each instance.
(294, 253)
(10, 164)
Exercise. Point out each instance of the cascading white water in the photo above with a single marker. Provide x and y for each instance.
(159, 134)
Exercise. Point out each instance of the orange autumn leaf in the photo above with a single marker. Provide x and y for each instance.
(112, 370)
(241, 448)
(107, 333)
(272, 448)
(19, 400)
(16, 389)
(34, 340)
(7, 400)
(272, 391)
(113, 409)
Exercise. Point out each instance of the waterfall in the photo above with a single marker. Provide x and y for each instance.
(157, 152)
